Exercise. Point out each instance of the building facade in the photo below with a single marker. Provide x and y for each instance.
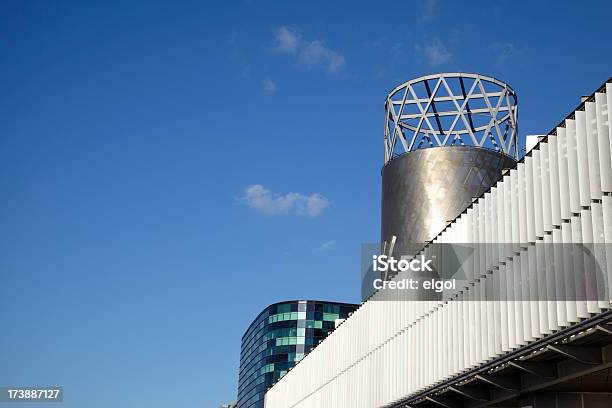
(280, 336)
(493, 343)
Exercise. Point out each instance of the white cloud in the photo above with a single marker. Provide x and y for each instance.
(287, 40)
(269, 85)
(315, 53)
(315, 204)
(326, 246)
(434, 53)
(309, 54)
(258, 197)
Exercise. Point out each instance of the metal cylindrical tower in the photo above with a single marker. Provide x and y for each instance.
(448, 137)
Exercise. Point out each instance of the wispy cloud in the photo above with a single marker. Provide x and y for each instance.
(309, 54)
(269, 85)
(263, 200)
(287, 40)
(434, 53)
(427, 9)
(315, 53)
(326, 246)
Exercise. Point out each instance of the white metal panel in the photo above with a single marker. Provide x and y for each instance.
(515, 237)
(603, 142)
(606, 204)
(584, 185)
(529, 200)
(527, 309)
(609, 112)
(506, 207)
(549, 283)
(489, 228)
(482, 221)
(545, 180)
(572, 165)
(532, 267)
(522, 204)
(559, 278)
(578, 271)
(568, 274)
(496, 221)
(586, 221)
(538, 210)
(601, 278)
(564, 194)
(554, 184)
(506, 315)
(592, 150)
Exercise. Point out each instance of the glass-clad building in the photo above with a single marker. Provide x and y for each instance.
(280, 336)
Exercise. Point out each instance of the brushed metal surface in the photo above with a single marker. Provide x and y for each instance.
(424, 190)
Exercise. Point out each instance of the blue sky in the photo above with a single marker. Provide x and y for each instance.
(168, 170)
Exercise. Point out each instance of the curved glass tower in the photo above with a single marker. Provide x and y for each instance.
(280, 336)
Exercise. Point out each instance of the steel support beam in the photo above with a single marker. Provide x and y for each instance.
(587, 355)
(446, 402)
(604, 328)
(475, 393)
(506, 382)
(540, 368)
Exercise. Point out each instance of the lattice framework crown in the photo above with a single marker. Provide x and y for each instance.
(451, 109)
